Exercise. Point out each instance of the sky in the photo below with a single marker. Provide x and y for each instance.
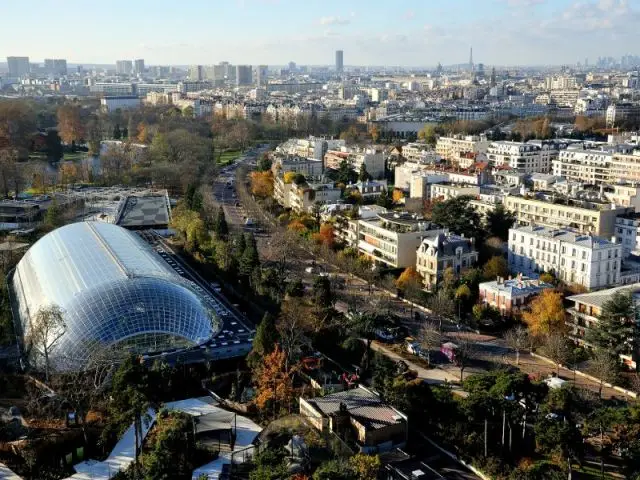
(275, 32)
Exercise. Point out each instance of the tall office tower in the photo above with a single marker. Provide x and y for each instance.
(124, 67)
(493, 76)
(339, 61)
(59, 66)
(261, 75)
(471, 59)
(18, 66)
(138, 65)
(243, 75)
(196, 73)
(292, 67)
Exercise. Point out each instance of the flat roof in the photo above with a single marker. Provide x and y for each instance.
(564, 235)
(599, 298)
(144, 211)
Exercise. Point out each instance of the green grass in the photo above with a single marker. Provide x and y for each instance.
(74, 156)
(225, 158)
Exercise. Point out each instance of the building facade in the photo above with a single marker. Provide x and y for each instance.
(523, 157)
(445, 250)
(510, 295)
(582, 165)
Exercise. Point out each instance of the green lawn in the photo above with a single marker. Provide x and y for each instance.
(225, 158)
(74, 156)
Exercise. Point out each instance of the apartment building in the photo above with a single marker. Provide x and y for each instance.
(455, 147)
(625, 167)
(312, 147)
(369, 190)
(420, 184)
(590, 166)
(595, 217)
(624, 195)
(628, 233)
(574, 258)
(445, 250)
(390, 238)
(308, 167)
(620, 112)
(419, 153)
(510, 295)
(444, 191)
(586, 309)
(301, 197)
(122, 102)
(523, 157)
(372, 159)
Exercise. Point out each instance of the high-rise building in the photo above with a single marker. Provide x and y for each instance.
(138, 65)
(55, 66)
(18, 66)
(124, 67)
(243, 75)
(470, 59)
(196, 73)
(261, 75)
(339, 61)
(292, 67)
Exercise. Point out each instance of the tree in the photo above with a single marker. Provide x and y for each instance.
(383, 200)
(364, 325)
(220, 227)
(464, 354)
(547, 278)
(458, 216)
(117, 133)
(68, 173)
(70, 123)
(250, 260)
(556, 348)
(142, 135)
(409, 275)
(430, 338)
(264, 163)
(292, 325)
(603, 366)
(546, 314)
(397, 196)
(334, 470)
(363, 176)
(462, 294)
(496, 267)
(499, 221)
(53, 217)
(274, 383)
(428, 135)
(262, 184)
(159, 150)
(45, 331)
(366, 467)
(517, 339)
(55, 152)
(442, 304)
(616, 329)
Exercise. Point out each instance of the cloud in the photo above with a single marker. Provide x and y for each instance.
(335, 20)
(524, 3)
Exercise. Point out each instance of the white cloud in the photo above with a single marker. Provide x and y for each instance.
(334, 20)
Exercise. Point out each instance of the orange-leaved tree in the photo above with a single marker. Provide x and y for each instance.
(398, 195)
(70, 125)
(274, 383)
(326, 235)
(262, 184)
(409, 276)
(546, 314)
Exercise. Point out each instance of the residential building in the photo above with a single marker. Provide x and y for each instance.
(244, 75)
(55, 66)
(123, 102)
(138, 66)
(358, 414)
(390, 238)
(628, 233)
(339, 61)
(622, 194)
(560, 82)
(419, 153)
(445, 191)
(18, 66)
(371, 189)
(621, 112)
(510, 295)
(114, 88)
(586, 309)
(309, 167)
(196, 73)
(124, 67)
(262, 72)
(445, 250)
(542, 181)
(625, 167)
(312, 147)
(523, 157)
(372, 159)
(301, 197)
(455, 147)
(578, 163)
(575, 258)
(595, 217)
(420, 183)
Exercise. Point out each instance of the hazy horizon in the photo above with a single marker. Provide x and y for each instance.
(417, 34)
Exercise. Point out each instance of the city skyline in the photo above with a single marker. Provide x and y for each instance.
(532, 32)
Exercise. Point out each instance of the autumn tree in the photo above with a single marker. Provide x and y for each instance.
(397, 196)
(17, 126)
(44, 333)
(517, 339)
(325, 236)
(365, 467)
(428, 135)
(68, 173)
(545, 314)
(603, 365)
(143, 133)
(430, 338)
(496, 267)
(274, 383)
(70, 124)
(190, 226)
(262, 184)
(409, 275)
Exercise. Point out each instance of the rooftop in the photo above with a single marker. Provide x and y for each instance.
(599, 298)
(516, 286)
(564, 235)
(144, 211)
(363, 405)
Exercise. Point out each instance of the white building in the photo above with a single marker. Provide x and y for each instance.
(124, 102)
(308, 167)
(445, 192)
(572, 257)
(620, 112)
(588, 166)
(628, 233)
(523, 157)
(455, 147)
(445, 250)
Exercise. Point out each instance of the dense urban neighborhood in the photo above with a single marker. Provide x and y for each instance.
(319, 272)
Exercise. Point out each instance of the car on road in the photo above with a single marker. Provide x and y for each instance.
(249, 221)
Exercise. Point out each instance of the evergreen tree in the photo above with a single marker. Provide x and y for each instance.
(458, 216)
(499, 221)
(266, 336)
(250, 260)
(363, 176)
(53, 217)
(53, 142)
(384, 200)
(220, 226)
(117, 134)
(616, 329)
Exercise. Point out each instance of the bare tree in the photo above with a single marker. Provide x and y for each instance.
(603, 366)
(442, 305)
(465, 353)
(517, 338)
(429, 337)
(556, 348)
(292, 325)
(46, 329)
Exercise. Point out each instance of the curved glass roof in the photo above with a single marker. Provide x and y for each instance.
(114, 291)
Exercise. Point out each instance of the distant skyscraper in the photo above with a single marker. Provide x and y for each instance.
(18, 66)
(196, 73)
(243, 75)
(292, 67)
(471, 59)
(55, 66)
(138, 65)
(339, 61)
(493, 76)
(124, 67)
(261, 75)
